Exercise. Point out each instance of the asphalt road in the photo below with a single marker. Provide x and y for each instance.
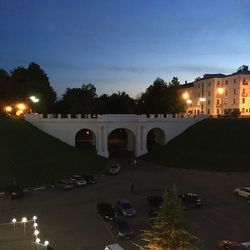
(68, 219)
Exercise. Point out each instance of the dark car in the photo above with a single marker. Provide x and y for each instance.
(155, 201)
(89, 179)
(124, 207)
(106, 211)
(64, 184)
(232, 245)
(190, 200)
(14, 192)
(122, 229)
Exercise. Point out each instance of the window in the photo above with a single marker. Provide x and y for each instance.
(198, 86)
(225, 92)
(217, 101)
(198, 95)
(234, 80)
(243, 110)
(234, 100)
(243, 91)
(247, 110)
(195, 95)
(234, 91)
(218, 83)
(208, 93)
(226, 82)
(208, 111)
(217, 111)
(209, 83)
(243, 100)
(208, 102)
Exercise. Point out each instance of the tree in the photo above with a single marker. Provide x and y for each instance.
(168, 230)
(31, 81)
(121, 103)
(161, 98)
(4, 86)
(243, 68)
(80, 100)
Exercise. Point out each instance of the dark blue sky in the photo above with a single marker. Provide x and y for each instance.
(123, 45)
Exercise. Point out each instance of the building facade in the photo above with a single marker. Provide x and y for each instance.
(218, 94)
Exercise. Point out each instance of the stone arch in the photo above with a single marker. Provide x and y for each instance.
(85, 139)
(155, 136)
(121, 139)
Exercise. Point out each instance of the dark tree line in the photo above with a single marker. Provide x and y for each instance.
(20, 83)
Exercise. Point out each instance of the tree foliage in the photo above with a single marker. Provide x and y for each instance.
(22, 83)
(161, 98)
(168, 231)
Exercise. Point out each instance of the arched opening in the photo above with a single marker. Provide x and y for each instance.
(155, 136)
(121, 142)
(85, 139)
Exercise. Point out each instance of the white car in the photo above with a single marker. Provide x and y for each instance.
(114, 169)
(78, 180)
(113, 247)
(243, 191)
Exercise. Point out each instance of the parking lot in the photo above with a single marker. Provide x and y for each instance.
(68, 219)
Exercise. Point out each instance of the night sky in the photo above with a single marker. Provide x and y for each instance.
(124, 45)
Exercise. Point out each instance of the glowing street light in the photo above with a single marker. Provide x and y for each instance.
(36, 232)
(46, 243)
(7, 109)
(37, 240)
(21, 106)
(189, 101)
(14, 226)
(24, 220)
(34, 99)
(202, 99)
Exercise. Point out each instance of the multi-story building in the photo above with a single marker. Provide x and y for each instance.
(218, 94)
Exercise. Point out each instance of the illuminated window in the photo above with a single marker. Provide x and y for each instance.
(243, 110)
(217, 101)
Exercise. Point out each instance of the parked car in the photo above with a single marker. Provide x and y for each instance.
(113, 247)
(89, 179)
(78, 180)
(14, 192)
(155, 201)
(106, 211)
(190, 200)
(243, 191)
(64, 184)
(114, 169)
(232, 245)
(122, 229)
(124, 207)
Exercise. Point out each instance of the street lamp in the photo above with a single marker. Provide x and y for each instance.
(34, 99)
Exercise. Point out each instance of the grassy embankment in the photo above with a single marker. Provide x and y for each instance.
(35, 158)
(213, 144)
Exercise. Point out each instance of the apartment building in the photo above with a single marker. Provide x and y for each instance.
(218, 94)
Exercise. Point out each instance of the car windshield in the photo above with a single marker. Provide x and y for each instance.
(114, 166)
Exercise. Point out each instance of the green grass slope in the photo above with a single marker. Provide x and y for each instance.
(35, 158)
(213, 144)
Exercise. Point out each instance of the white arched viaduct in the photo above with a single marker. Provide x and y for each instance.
(65, 129)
